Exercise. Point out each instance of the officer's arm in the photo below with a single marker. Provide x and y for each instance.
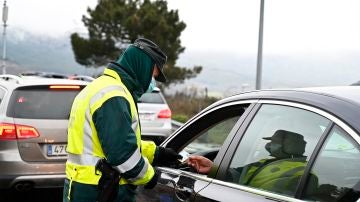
(118, 141)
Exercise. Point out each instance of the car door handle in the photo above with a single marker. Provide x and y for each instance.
(182, 193)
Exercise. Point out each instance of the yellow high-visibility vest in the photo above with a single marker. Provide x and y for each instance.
(84, 147)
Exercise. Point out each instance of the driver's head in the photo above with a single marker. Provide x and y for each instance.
(285, 144)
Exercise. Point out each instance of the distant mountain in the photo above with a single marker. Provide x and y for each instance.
(231, 73)
(11, 67)
(224, 73)
(42, 53)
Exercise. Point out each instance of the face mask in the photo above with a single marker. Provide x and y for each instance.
(275, 149)
(151, 86)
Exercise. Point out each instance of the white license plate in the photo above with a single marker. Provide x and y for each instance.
(56, 150)
(146, 117)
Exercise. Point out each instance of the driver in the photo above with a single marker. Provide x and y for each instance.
(281, 173)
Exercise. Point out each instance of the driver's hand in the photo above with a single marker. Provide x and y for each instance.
(199, 163)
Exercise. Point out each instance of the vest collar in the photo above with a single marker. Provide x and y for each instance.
(112, 73)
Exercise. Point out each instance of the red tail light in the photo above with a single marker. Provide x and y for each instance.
(7, 131)
(24, 132)
(164, 114)
(14, 131)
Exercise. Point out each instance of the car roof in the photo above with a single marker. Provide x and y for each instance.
(45, 81)
(15, 82)
(340, 101)
(343, 92)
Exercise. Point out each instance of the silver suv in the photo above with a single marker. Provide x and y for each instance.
(155, 116)
(33, 130)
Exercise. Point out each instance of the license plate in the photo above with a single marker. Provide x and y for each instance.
(146, 117)
(56, 150)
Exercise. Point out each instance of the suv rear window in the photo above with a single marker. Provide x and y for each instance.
(154, 97)
(41, 103)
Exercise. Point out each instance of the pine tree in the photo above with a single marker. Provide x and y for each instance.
(114, 24)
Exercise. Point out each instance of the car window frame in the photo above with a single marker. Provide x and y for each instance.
(219, 157)
(169, 142)
(221, 171)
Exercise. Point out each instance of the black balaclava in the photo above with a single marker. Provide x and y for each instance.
(139, 67)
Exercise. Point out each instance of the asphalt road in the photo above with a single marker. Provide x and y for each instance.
(35, 195)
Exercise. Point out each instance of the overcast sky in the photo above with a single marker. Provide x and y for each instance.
(296, 26)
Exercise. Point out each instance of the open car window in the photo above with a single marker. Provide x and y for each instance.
(209, 141)
(207, 133)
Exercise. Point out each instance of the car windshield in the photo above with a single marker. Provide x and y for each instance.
(154, 97)
(41, 103)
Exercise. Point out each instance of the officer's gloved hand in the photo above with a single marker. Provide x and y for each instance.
(151, 184)
(167, 157)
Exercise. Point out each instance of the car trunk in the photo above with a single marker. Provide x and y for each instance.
(148, 114)
(151, 108)
(51, 143)
(41, 117)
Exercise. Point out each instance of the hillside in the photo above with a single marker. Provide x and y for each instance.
(224, 73)
(42, 53)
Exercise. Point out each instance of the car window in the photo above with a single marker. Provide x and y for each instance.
(337, 169)
(212, 138)
(153, 97)
(207, 132)
(41, 103)
(275, 148)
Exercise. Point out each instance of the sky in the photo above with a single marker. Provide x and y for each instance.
(325, 33)
(296, 26)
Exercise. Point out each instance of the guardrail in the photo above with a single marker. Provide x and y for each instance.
(175, 125)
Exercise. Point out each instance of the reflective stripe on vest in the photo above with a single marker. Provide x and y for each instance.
(88, 160)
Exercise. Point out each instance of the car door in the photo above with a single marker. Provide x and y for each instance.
(204, 135)
(250, 172)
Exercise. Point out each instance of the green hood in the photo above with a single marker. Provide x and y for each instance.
(135, 70)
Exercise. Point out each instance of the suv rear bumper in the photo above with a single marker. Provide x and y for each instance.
(36, 181)
(39, 175)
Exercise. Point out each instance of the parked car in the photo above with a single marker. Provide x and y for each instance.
(33, 130)
(155, 116)
(35, 74)
(319, 142)
(82, 78)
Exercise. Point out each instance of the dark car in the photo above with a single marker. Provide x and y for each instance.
(314, 153)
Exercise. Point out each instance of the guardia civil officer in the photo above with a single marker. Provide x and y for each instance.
(107, 158)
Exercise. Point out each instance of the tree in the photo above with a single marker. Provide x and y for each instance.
(114, 24)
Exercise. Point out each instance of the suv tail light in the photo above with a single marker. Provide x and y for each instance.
(164, 114)
(15, 131)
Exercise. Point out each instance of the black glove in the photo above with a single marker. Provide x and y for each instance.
(167, 157)
(151, 184)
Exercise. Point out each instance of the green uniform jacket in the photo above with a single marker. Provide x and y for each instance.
(113, 124)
